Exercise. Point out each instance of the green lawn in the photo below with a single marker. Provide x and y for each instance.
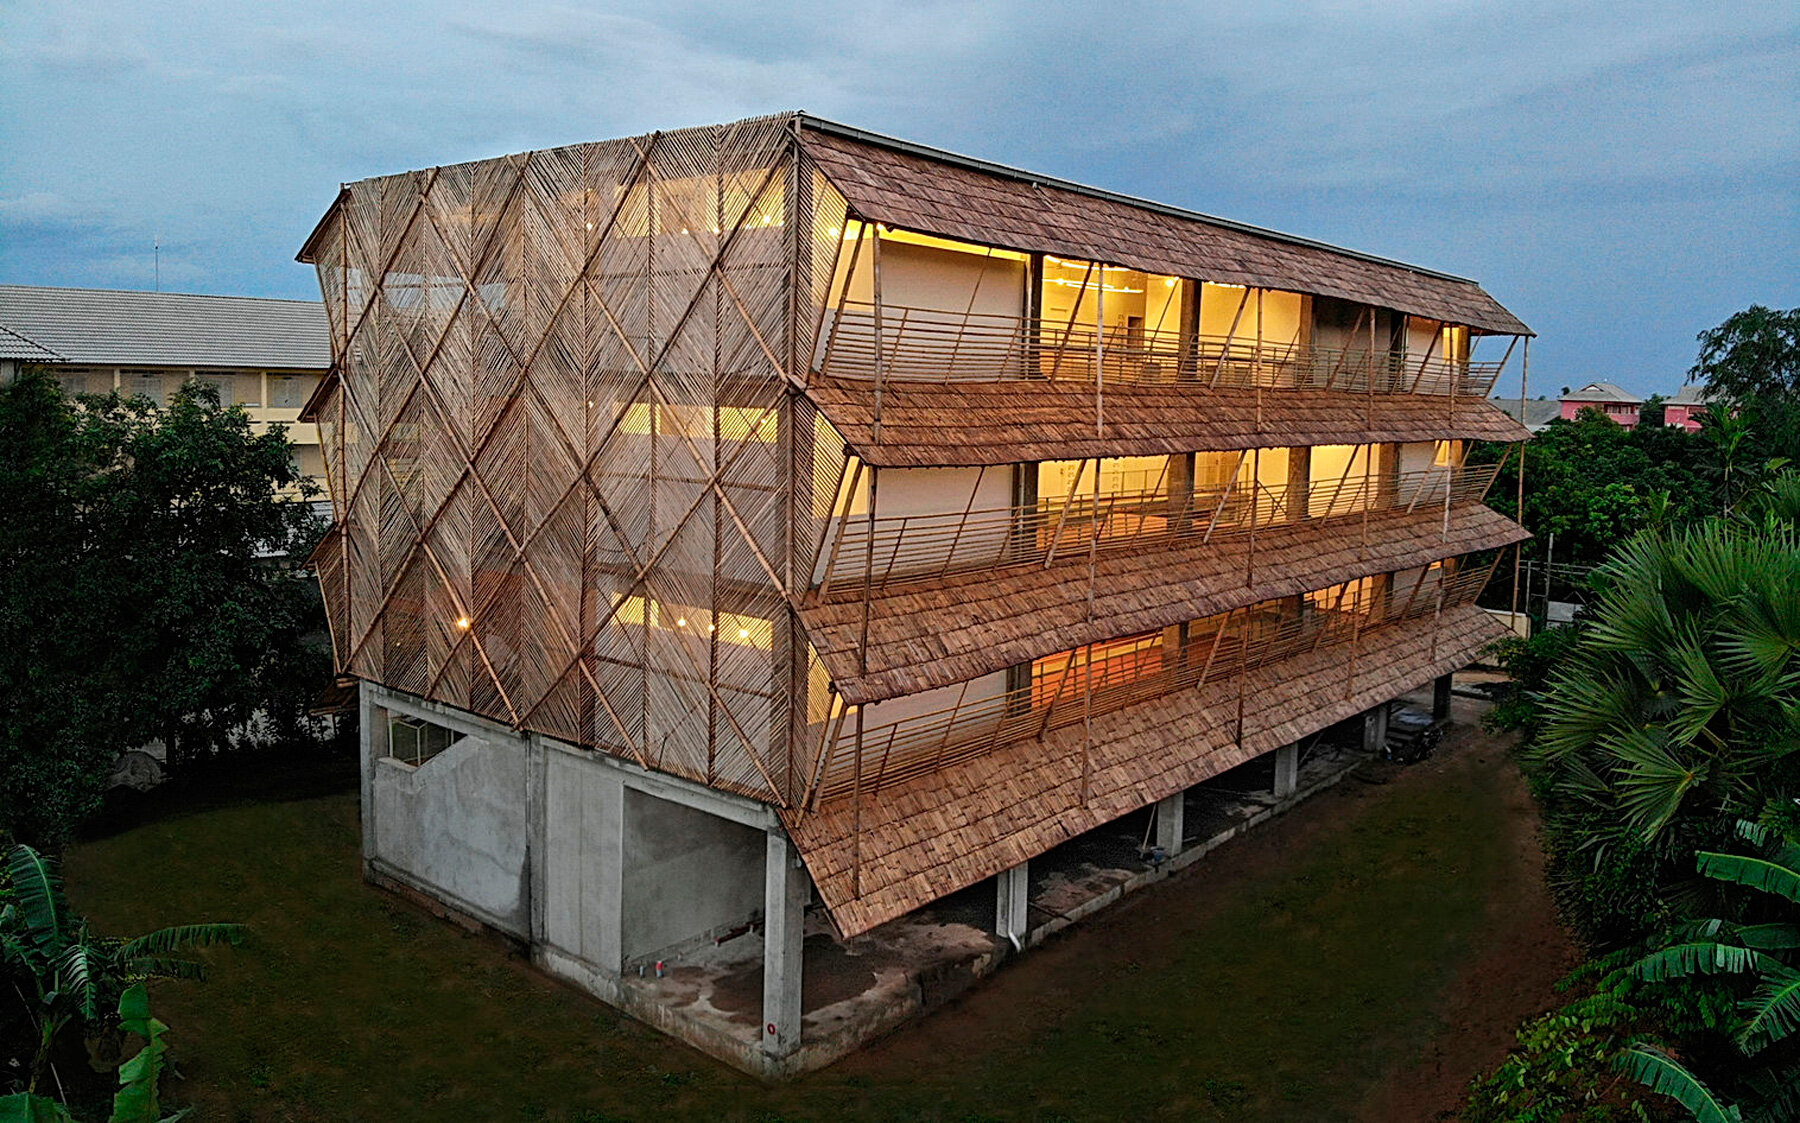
(1218, 995)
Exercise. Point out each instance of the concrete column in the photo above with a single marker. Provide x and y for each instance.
(1375, 725)
(1169, 815)
(1440, 697)
(1011, 901)
(372, 724)
(1287, 770)
(603, 883)
(785, 890)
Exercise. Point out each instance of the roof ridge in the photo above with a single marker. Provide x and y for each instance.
(159, 292)
(1039, 179)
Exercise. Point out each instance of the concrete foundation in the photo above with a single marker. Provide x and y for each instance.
(687, 907)
(1287, 770)
(1171, 816)
(1011, 911)
(1375, 728)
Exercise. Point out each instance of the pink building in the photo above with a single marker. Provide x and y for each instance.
(1612, 400)
(1685, 408)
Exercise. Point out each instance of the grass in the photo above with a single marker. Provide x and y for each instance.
(1286, 997)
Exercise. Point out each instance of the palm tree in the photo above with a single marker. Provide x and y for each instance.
(65, 973)
(1683, 698)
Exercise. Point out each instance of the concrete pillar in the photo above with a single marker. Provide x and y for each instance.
(785, 890)
(372, 725)
(603, 882)
(1287, 770)
(1440, 697)
(1375, 725)
(1169, 815)
(1011, 901)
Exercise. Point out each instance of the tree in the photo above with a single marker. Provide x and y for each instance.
(142, 592)
(1753, 354)
(1677, 711)
(1765, 955)
(1750, 366)
(1593, 483)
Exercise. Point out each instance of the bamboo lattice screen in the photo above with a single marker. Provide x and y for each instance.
(563, 446)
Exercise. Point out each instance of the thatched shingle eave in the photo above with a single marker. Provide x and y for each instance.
(916, 188)
(950, 629)
(964, 424)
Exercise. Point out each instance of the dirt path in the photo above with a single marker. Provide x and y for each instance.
(1523, 951)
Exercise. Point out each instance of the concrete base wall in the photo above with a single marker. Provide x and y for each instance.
(687, 875)
(457, 824)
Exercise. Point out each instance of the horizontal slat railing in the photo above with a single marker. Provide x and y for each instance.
(927, 345)
(1218, 648)
(915, 547)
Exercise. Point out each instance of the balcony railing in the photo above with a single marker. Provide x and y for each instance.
(1218, 648)
(912, 547)
(929, 345)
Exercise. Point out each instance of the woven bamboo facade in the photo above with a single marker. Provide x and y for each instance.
(597, 412)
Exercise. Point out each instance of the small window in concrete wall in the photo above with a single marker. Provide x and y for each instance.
(414, 741)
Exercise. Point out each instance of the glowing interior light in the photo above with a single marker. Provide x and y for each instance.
(835, 232)
(463, 622)
(1169, 282)
(590, 226)
(681, 623)
(743, 633)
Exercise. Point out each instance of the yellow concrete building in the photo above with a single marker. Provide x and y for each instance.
(265, 355)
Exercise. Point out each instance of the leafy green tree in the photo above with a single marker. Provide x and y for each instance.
(1750, 366)
(1753, 354)
(1765, 956)
(1593, 483)
(142, 594)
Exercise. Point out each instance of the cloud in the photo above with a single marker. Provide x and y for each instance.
(1614, 172)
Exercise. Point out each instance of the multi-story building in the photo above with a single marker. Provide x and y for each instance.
(1686, 408)
(265, 355)
(736, 517)
(1616, 402)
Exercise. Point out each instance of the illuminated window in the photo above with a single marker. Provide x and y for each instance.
(736, 423)
(729, 627)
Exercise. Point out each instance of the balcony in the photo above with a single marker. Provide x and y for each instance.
(932, 345)
(918, 547)
(1081, 685)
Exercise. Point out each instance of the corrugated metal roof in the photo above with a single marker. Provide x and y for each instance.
(935, 192)
(16, 346)
(1539, 412)
(112, 326)
(1603, 392)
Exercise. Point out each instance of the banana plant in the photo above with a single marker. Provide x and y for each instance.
(1767, 954)
(64, 972)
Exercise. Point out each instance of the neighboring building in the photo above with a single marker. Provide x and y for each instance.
(265, 355)
(733, 513)
(1614, 401)
(1686, 407)
(1538, 412)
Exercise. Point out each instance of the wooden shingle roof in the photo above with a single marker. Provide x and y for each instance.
(949, 829)
(962, 424)
(953, 628)
(934, 192)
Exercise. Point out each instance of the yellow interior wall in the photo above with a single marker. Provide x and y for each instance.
(1123, 474)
